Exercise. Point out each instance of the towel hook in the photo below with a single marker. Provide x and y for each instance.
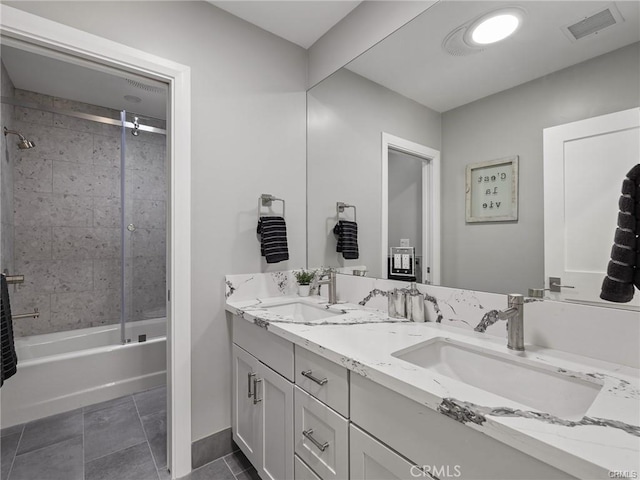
(340, 206)
(266, 200)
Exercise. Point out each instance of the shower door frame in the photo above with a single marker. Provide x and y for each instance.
(35, 30)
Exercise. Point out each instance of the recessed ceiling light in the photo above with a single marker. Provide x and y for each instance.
(494, 26)
(132, 99)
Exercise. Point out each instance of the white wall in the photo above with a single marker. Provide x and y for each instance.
(366, 25)
(248, 137)
(511, 123)
(347, 115)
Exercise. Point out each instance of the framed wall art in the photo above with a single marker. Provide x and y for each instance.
(492, 191)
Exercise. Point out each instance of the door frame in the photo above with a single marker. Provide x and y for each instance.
(32, 29)
(430, 203)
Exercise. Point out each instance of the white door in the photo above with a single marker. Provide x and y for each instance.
(274, 395)
(245, 415)
(585, 163)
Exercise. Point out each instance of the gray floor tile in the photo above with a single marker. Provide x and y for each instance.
(61, 461)
(111, 429)
(133, 463)
(109, 403)
(217, 470)
(11, 430)
(155, 426)
(8, 448)
(47, 431)
(164, 474)
(237, 462)
(250, 474)
(151, 401)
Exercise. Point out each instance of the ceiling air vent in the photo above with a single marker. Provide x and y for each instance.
(143, 86)
(594, 23)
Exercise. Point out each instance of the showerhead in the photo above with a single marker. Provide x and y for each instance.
(23, 144)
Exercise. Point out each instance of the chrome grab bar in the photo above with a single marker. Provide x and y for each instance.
(14, 279)
(307, 373)
(309, 434)
(34, 314)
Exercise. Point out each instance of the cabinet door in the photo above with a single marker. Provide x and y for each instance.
(321, 437)
(372, 460)
(245, 415)
(275, 399)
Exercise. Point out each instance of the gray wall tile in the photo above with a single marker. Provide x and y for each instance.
(25, 302)
(30, 115)
(48, 209)
(57, 143)
(33, 175)
(54, 276)
(150, 270)
(81, 243)
(145, 156)
(106, 212)
(34, 243)
(144, 184)
(211, 448)
(106, 181)
(88, 308)
(71, 178)
(106, 150)
(149, 213)
(33, 97)
(147, 242)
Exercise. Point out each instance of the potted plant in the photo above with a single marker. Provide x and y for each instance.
(304, 279)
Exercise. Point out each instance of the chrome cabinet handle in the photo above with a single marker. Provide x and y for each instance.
(256, 381)
(250, 375)
(309, 434)
(307, 373)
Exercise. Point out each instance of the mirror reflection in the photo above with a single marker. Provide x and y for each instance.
(429, 88)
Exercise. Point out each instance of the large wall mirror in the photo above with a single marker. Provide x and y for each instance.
(427, 85)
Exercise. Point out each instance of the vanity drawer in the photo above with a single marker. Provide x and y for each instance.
(270, 349)
(321, 437)
(302, 471)
(330, 382)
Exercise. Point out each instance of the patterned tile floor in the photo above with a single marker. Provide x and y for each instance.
(121, 439)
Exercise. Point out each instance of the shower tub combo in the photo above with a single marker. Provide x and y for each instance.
(58, 372)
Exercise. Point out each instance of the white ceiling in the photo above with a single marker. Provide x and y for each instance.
(300, 22)
(413, 63)
(60, 76)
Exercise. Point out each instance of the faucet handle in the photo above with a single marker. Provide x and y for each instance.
(514, 299)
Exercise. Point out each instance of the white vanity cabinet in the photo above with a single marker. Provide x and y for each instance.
(371, 460)
(262, 403)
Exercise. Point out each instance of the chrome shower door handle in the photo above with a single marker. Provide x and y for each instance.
(308, 433)
(250, 376)
(256, 381)
(308, 374)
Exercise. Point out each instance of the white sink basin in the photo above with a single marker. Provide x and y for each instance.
(302, 312)
(536, 385)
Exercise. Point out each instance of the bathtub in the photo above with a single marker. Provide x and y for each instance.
(63, 371)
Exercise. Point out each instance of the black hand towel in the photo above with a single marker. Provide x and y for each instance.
(273, 239)
(8, 357)
(623, 271)
(347, 233)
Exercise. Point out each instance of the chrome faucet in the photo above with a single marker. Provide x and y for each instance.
(317, 281)
(514, 315)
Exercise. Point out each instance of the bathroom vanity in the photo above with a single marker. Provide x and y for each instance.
(342, 391)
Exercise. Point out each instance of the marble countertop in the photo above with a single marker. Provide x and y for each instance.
(606, 439)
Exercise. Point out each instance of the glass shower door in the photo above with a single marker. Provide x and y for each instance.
(143, 166)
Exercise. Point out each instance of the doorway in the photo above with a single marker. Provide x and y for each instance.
(410, 208)
(32, 30)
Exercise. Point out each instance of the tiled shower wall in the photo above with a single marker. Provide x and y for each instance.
(67, 204)
(7, 155)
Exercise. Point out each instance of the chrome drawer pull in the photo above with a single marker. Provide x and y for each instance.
(256, 381)
(249, 377)
(307, 373)
(321, 446)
